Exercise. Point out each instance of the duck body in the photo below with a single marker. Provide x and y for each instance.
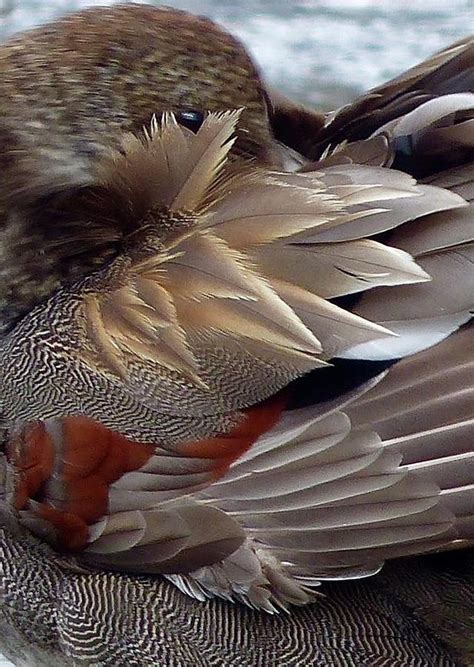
(246, 379)
(399, 615)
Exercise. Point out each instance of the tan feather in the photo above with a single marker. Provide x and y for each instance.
(100, 337)
(139, 319)
(206, 157)
(340, 268)
(170, 167)
(437, 232)
(208, 267)
(451, 289)
(337, 329)
(270, 322)
(261, 208)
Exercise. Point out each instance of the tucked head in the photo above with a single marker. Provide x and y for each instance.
(71, 87)
(69, 91)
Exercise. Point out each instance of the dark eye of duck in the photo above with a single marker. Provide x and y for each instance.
(191, 119)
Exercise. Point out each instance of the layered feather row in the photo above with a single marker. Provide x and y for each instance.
(248, 254)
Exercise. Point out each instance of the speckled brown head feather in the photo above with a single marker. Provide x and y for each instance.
(87, 78)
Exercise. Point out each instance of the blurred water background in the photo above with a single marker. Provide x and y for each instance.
(323, 52)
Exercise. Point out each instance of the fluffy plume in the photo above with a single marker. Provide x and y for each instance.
(243, 254)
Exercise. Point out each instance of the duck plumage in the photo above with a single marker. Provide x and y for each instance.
(246, 379)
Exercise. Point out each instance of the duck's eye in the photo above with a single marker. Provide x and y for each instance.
(191, 119)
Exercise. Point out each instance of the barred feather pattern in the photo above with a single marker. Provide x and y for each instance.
(53, 614)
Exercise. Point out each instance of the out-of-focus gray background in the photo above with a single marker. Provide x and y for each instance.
(323, 52)
(320, 51)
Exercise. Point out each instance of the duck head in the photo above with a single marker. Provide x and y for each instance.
(69, 92)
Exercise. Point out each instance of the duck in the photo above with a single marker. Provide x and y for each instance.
(236, 352)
